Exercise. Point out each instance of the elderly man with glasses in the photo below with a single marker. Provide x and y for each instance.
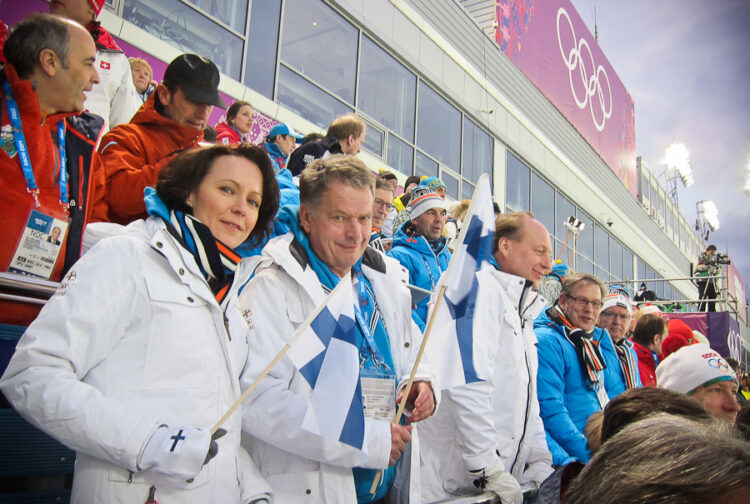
(614, 317)
(579, 371)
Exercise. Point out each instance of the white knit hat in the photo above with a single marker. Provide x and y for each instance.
(423, 199)
(692, 366)
(617, 300)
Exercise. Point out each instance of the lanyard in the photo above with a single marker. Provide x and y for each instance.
(23, 151)
(377, 357)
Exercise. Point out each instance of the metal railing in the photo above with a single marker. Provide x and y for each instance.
(25, 289)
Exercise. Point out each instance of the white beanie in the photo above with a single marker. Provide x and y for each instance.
(692, 366)
(617, 300)
(422, 199)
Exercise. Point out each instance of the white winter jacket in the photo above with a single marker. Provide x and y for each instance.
(115, 97)
(480, 422)
(299, 465)
(134, 338)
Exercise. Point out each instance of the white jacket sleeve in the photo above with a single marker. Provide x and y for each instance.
(277, 407)
(125, 101)
(75, 331)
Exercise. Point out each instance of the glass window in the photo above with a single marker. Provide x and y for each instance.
(260, 67)
(601, 247)
(426, 166)
(319, 43)
(467, 190)
(400, 155)
(627, 264)
(564, 210)
(230, 12)
(190, 32)
(641, 269)
(477, 152)
(451, 184)
(542, 201)
(308, 100)
(517, 184)
(583, 265)
(585, 244)
(438, 128)
(615, 259)
(602, 274)
(387, 90)
(374, 140)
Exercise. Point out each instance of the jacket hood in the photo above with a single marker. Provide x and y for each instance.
(274, 150)
(103, 39)
(24, 93)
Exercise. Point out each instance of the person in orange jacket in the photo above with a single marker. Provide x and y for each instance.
(41, 129)
(170, 121)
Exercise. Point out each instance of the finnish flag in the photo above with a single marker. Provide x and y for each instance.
(451, 349)
(327, 355)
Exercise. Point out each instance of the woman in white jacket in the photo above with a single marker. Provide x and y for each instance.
(141, 349)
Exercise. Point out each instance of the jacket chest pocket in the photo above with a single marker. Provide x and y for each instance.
(182, 336)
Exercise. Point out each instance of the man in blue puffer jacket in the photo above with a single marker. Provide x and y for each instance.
(578, 367)
(419, 245)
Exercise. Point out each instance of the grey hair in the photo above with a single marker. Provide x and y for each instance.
(31, 36)
(319, 175)
(665, 459)
(383, 185)
(576, 279)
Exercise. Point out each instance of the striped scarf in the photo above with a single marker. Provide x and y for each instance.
(627, 362)
(589, 356)
(217, 261)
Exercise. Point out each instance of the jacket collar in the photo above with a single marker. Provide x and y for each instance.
(148, 115)
(520, 290)
(28, 101)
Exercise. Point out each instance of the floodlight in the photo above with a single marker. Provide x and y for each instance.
(710, 213)
(677, 159)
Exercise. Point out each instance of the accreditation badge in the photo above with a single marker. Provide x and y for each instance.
(378, 395)
(39, 245)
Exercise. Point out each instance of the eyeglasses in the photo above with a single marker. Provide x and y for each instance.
(596, 305)
(619, 316)
(379, 203)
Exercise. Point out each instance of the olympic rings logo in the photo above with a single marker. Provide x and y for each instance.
(596, 86)
(719, 363)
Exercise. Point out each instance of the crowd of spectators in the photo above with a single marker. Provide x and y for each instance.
(185, 267)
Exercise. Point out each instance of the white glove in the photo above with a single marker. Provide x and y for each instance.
(495, 479)
(174, 455)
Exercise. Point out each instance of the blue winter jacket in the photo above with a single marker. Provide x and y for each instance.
(566, 400)
(424, 265)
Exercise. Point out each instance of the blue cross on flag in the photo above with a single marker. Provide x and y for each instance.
(451, 349)
(327, 355)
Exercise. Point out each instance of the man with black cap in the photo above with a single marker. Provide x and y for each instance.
(170, 121)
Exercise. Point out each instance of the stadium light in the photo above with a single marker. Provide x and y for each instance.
(710, 213)
(677, 159)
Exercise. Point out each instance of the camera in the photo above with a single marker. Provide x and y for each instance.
(714, 259)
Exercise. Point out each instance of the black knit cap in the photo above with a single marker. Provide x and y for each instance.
(198, 78)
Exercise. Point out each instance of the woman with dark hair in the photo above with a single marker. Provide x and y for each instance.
(236, 128)
(648, 334)
(141, 349)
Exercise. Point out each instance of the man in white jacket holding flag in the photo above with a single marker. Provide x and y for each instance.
(487, 434)
(326, 245)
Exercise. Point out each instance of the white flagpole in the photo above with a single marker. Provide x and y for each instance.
(300, 330)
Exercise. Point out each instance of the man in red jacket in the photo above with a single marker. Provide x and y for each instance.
(170, 121)
(45, 181)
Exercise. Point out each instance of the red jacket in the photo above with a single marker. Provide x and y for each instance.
(133, 154)
(646, 365)
(225, 134)
(85, 187)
